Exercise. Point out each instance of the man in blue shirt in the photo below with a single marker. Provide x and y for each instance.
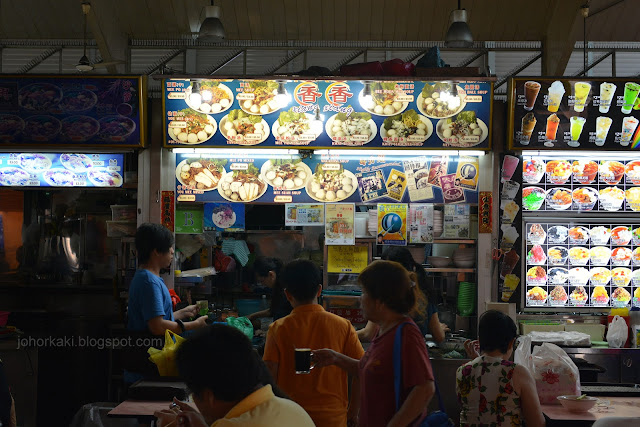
(150, 307)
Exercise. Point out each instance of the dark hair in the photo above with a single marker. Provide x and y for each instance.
(150, 237)
(495, 331)
(221, 358)
(263, 265)
(403, 256)
(390, 283)
(301, 278)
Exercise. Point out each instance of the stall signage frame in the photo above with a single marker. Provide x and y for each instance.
(569, 131)
(73, 111)
(66, 170)
(189, 219)
(312, 106)
(347, 259)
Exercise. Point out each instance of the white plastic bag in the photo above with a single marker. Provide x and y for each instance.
(617, 333)
(522, 355)
(555, 373)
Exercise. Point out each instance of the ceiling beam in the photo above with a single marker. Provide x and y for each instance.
(226, 60)
(517, 70)
(162, 61)
(38, 60)
(347, 59)
(563, 29)
(290, 57)
(602, 57)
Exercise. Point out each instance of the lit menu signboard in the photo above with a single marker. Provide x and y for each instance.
(589, 114)
(61, 170)
(106, 111)
(328, 113)
(284, 178)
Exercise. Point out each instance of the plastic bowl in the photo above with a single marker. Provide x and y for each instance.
(573, 404)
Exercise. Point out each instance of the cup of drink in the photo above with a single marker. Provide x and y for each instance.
(556, 91)
(606, 95)
(577, 124)
(630, 95)
(581, 90)
(629, 125)
(528, 123)
(509, 262)
(303, 360)
(509, 165)
(602, 129)
(552, 129)
(531, 90)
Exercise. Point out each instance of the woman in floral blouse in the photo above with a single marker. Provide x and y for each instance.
(491, 389)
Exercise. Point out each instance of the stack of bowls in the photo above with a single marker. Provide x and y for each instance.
(464, 257)
(466, 298)
(372, 223)
(438, 223)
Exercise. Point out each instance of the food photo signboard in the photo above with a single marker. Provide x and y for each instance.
(54, 111)
(287, 178)
(61, 170)
(328, 113)
(589, 114)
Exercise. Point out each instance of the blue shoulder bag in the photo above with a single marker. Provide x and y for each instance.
(434, 419)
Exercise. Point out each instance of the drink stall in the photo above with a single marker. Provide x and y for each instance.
(348, 166)
(68, 205)
(569, 207)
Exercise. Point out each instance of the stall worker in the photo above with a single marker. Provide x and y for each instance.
(267, 272)
(323, 393)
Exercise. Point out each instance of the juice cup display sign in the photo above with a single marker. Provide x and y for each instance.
(602, 129)
(556, 91)
(630, 95)
(577, 123)
(531, 90)
(629, 125)
(528, 123)
(581, 93)
(552, 127)
(509, 165)
(606, 95)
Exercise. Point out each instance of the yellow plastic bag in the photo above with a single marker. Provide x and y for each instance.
(165, 359)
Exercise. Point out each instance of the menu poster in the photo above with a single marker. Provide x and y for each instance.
(451, 189)
(467, 172)
(347, 259)
(438, 168)
(189, 219)
(420, 223)
(224, 217)
(339, 224)
(392, 224)
(590, 114)
(57, 111)
(299, 214)
(286, 178)
(61, 170)
(328, 113)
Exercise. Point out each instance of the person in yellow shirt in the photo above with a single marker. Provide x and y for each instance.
(229, 386)
(322, 393)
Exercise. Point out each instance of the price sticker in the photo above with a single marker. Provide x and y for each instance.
(403, 98)
(330, 166)
(98, 163)
(13, 162)
(245, 96)
(239, 166)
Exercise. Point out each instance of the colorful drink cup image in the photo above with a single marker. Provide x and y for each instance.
(303, 360)
(602, 129)
(606, 95)
(533, 198)
(629, 125)
(581, 92)
(531, 90)
(577, 124)
(509, 165)
(509, 262)
(528, 123)
(630, 95)
(556, 92)
(552, 129)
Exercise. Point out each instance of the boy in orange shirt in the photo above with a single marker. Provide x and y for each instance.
(324, 392)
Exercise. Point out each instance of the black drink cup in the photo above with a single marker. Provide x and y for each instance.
(303, 360)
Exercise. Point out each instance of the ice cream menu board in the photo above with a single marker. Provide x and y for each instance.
(328, 113)
(578, 264)
(285, 178)
(588, 114)
(72, 110)
(557, 184)
(61, 170)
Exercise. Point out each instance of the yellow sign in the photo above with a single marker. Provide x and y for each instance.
(347, 259)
